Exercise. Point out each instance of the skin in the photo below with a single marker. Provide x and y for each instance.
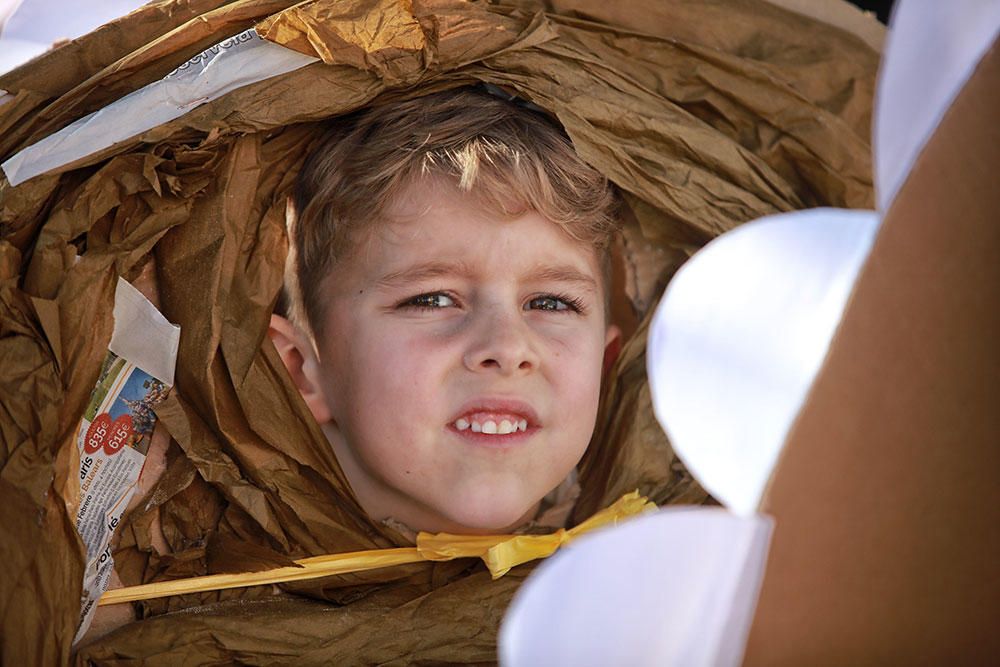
(449, 311)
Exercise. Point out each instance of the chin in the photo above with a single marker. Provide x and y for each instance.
(480, 516)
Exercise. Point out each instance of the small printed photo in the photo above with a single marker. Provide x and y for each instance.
(140, 393)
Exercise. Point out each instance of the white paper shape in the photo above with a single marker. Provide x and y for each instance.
(739, 336)
(677, 587)
(931, 50)
(235, 62)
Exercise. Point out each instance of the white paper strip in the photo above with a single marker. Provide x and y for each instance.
(739, 336)
(931, 51)
(675, 588)
(232, 63)
(143, 335)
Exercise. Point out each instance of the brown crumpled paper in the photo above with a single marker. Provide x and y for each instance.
(704, 117)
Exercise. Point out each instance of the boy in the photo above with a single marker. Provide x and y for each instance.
(448, 299)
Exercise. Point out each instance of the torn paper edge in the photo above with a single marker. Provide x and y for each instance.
(155, 350)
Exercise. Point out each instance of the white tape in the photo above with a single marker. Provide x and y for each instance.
(235, 62)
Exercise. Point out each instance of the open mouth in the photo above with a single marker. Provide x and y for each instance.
(491, 424)
(495, 418)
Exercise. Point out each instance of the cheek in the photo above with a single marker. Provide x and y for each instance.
(576, 354)
(575, 373)
(393, 381)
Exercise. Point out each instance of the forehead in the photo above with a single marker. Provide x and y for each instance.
(434, 225)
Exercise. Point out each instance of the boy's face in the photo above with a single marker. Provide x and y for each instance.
(444, 326)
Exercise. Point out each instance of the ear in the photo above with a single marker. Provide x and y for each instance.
(300, 360)
(612, 348)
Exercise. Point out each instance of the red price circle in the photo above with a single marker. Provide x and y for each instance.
(97, 433)
(120, 432)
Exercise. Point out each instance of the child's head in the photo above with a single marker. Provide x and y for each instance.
(449, 281)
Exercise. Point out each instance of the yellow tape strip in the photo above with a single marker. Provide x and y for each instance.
(499, 552)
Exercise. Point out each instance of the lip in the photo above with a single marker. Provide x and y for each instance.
(512, 406)
(503, 405)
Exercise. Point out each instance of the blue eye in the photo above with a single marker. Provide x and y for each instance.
(554, 302)
(433, 300)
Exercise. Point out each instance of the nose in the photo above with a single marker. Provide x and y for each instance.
(501, 342)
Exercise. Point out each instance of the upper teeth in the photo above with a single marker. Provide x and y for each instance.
(491, 427)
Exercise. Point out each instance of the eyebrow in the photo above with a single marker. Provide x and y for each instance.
(563, 274)
(425, 271)
(432, 270)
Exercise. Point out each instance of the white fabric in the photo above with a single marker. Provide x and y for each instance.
(932, 49)
(739, 336)
(674, 588)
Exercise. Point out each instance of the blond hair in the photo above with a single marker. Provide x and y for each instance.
(511, 158)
